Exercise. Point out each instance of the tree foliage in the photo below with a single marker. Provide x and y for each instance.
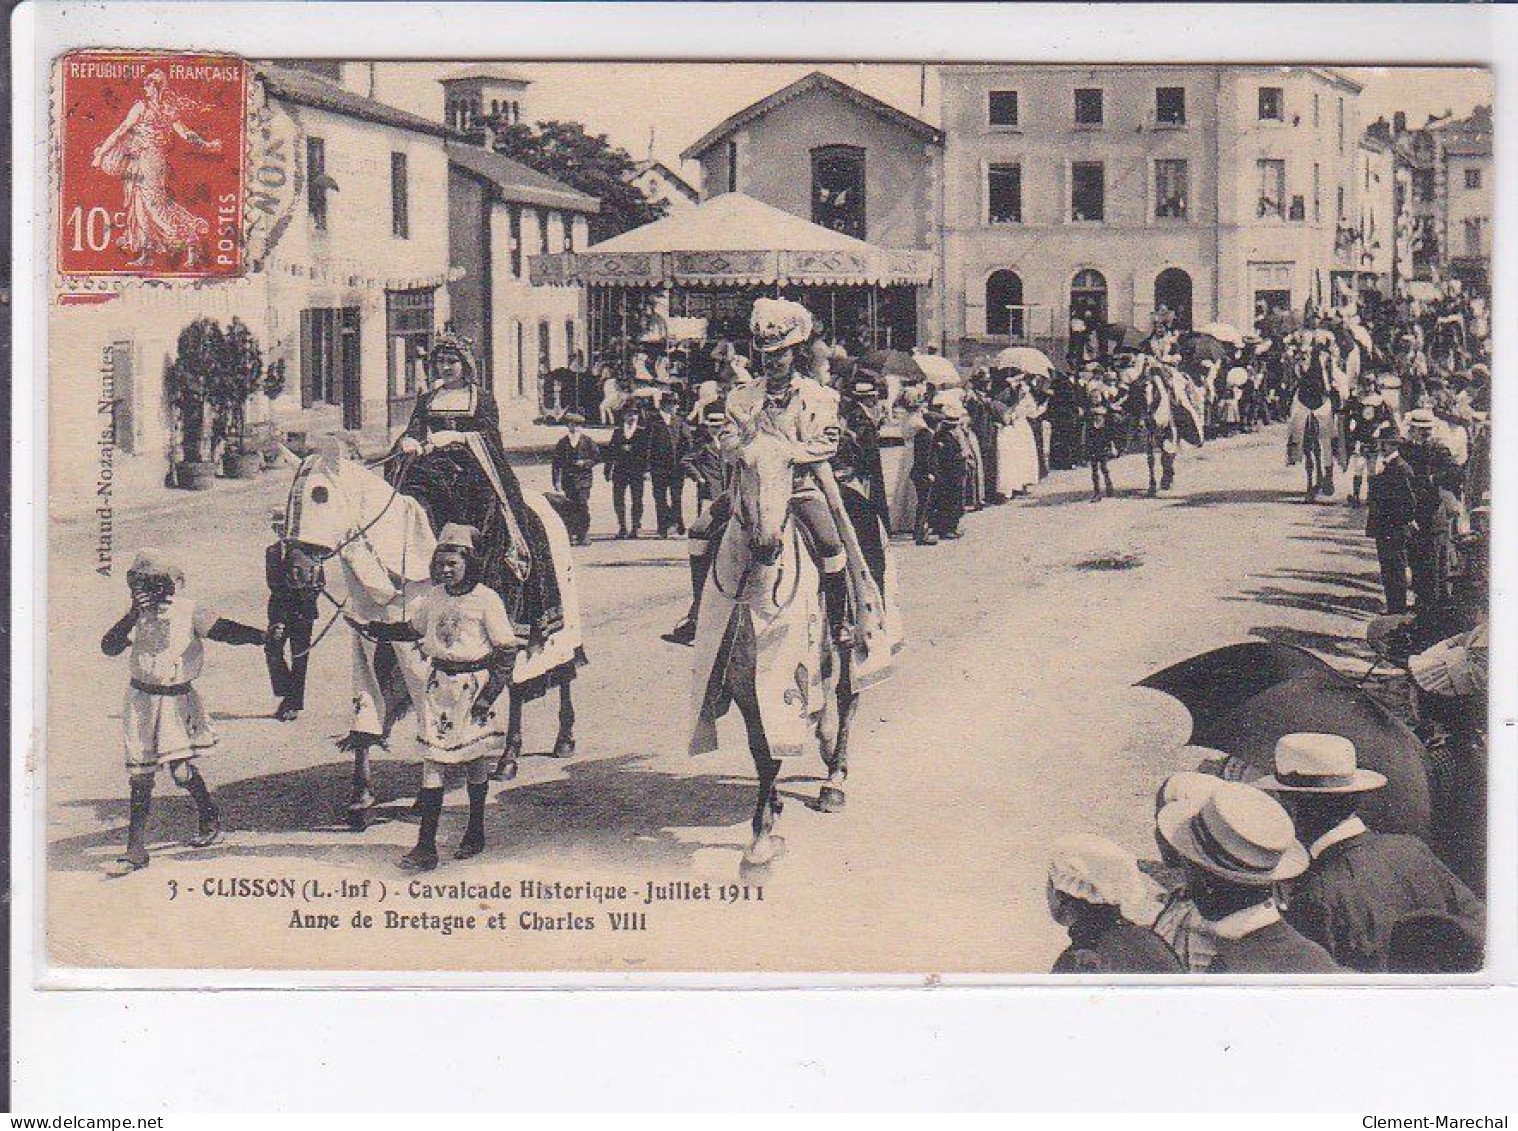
(587, 162)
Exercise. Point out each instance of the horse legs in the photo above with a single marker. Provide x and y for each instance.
(564, 744)
(835, 752)
(506, 764)
(1154, 488)
(361, 796)
(765, 847)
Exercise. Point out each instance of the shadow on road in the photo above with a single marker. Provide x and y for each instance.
(1237, 495)
(617, 807)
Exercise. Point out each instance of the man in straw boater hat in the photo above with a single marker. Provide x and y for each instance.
(804, 412)
(1235, 843)
(1359, 883)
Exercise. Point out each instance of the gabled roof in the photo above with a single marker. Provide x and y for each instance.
(516, 182)
(307, 89)
(814, 81)
(679, 183)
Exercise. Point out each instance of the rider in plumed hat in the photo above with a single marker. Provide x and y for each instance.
(804, 412)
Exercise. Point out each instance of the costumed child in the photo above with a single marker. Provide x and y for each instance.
(164, 722)
(467, 635)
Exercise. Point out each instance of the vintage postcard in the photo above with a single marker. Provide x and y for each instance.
(512, 518)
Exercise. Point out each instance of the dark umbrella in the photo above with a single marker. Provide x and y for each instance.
(892, 363)
(1279, 323)
(1118, 336)
(1202, 347)
(1244, 697)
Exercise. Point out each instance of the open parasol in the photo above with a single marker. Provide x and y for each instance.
(937, 369)
(1223, 332)
(1244, 697)
(1024, 358)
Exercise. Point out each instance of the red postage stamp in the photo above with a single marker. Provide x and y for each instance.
(151, 164)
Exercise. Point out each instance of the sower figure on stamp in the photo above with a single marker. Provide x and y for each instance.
(802, 412)
(295, 582)
(164, 722)
(470, 643)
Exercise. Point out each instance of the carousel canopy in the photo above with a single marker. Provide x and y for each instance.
(734, 240)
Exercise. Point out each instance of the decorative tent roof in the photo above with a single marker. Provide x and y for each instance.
(734, 240)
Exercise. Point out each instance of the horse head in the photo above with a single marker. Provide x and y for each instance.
(319, 511)
(762, 489)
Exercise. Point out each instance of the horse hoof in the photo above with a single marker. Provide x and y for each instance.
(831, 799)
(361, 801)
(765, 850)
(564, 748)
(505, 770)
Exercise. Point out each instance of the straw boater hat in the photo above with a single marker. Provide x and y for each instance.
(777, 323)
(949, 404)
(1234, 832)
(1318, 763)
(1093, 869)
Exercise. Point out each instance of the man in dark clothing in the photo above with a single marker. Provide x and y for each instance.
(295, 583)
(938, 473)
(666, 447)
(627, 468)
(1360, 884)
(1236, 843)
(1100, 409)
(1435, 477)
(574, 459)
(1391, 511)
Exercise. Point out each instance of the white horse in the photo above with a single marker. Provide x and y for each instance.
(382, 543)
(762, 641)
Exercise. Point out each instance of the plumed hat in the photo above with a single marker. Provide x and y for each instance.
(777, 323)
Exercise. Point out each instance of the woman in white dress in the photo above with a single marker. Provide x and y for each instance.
(903, 504)
(1016, 448)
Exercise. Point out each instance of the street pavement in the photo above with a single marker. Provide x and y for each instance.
(1012, 719)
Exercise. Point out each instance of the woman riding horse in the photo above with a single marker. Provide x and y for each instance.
(437, 467)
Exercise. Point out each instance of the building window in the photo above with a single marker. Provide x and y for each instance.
(838, 189)
(732, 164)
(1004, 304)
(1473, 228)
(516, 242)
(1171, 189)
(1088, 298)
(400, 218)
(1001, 108)
(545, 349)
(316, 181)
(569, 233)
(1088, 106)
(1272, 201)
(1172, 292)
(1088, 191)
(1473, 178)
(1339, 203)
(1341, 125)
(1170, 105)
(569, 342)
(1272, 104)
(543, 231)
(1315, 109)
(1423, 179)
(1317, 193)
(1004, 194)
(408, 331)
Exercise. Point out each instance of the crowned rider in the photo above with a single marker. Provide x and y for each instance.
(796, 408)
(453, 486)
